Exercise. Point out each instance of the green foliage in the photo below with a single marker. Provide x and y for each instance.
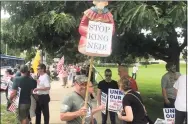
(54, 26)
(7, 117)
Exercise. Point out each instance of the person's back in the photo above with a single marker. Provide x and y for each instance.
(131, 99)
(26, 84)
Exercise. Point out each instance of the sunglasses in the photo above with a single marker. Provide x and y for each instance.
(108, 75)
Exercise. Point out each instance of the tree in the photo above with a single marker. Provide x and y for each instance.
(161, 18)
(48, 24)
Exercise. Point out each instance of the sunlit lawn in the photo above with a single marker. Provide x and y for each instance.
(149, 84)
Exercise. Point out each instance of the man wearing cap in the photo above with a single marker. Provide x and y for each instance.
(72, 107)
(27, 85)
(167, 83)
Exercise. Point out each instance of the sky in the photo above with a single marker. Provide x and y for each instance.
(4, 15)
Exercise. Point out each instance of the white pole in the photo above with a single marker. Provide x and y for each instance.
(6, 49)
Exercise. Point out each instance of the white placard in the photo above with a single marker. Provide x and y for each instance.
(160, 121)
(104, 101)
(169, 115)
(115, 98)
(99, 37)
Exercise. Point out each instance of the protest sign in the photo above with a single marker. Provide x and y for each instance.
(115, 98)
(15, 102)
(169, 115)
(104, 101)
(99, 37)
(160, 121)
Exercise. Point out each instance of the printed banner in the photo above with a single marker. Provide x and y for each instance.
(169, 115)
(104, 101)
(115, 98)
(15, 102)
(99, 37)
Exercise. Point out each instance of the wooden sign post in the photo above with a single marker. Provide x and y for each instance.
(87, 87)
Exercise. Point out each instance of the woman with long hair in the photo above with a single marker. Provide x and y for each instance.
(133, 110)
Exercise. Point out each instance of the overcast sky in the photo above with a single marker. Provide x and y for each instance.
(4, 15)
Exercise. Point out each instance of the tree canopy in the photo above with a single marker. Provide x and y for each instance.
(54, 26)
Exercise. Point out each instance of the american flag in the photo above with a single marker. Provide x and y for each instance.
(13, 107)
(60, 64)
(15, 102)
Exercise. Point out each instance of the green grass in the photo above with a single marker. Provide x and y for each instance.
(149, 84)
(7, 117)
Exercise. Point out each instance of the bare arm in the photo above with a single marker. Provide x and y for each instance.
(164, 93)
(176, 92)
(97, 109)
(99, 96)
(43, 88)
(69, 116)
(129, 114)
(13, 94)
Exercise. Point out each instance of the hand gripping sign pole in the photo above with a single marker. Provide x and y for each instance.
(87, 87)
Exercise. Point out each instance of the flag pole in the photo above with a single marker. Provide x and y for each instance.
(87, 94)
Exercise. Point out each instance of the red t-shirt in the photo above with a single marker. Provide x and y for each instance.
(133, 84)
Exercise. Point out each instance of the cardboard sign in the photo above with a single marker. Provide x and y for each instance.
(104, 101)
(169, 115)
(115, 98)
(99, 37)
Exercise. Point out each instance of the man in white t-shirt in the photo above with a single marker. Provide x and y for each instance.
(135, 69)
(42, 90)
(181, 87)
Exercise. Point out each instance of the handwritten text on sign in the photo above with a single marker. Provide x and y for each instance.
(115, 98)
(99, 37)
(169, 115)
(104, 101)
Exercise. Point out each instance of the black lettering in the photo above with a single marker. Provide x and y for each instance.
(119, 97)
(167, 110)
(172, 110)
(90, 45)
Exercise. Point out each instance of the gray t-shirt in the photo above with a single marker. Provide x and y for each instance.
(73, 102)
(167, 82)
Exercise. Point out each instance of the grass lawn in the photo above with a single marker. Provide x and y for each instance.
(7, 117)
(149, 84)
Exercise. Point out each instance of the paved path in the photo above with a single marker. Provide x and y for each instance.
(56, 94)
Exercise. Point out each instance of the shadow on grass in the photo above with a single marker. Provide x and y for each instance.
(154, 105)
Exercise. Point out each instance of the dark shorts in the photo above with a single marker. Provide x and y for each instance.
(23, 111)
